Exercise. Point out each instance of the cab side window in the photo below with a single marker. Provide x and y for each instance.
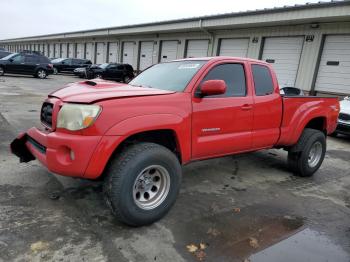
(263, 83)
(234, 77)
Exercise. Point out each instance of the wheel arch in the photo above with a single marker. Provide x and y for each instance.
(165, 137)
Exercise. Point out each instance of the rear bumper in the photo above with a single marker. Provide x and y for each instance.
(66, 154)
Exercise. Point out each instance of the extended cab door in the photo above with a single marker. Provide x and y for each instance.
(223, 124)
(267, 107)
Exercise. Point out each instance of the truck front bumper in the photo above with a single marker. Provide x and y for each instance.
(66, 154)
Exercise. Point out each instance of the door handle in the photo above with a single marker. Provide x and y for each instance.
(246, 107)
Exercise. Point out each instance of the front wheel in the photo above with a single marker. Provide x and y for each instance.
(41, 73)
(55, 71)
(307, 155)
(142, 183)
(2, 71)
(98, 76)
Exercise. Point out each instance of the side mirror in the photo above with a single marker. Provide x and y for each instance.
(11, 60)
(212, 87)
(63, 63)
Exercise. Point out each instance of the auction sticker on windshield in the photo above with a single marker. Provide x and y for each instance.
(188, 66)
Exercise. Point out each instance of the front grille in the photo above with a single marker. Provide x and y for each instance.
(343, 116)
(46, 114)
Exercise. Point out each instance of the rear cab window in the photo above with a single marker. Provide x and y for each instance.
(263, 83)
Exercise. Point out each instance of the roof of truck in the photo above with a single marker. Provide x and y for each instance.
(218, 58)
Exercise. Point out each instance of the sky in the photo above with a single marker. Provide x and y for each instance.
(20, 18)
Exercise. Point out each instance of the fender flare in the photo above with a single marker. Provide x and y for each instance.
(143, 123)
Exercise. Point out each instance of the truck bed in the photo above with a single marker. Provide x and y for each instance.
(301, 111)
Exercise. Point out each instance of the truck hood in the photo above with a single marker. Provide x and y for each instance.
(97, 90)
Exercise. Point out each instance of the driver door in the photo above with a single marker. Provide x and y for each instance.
(222, 124)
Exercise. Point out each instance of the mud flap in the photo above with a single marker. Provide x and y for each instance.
(19, 148)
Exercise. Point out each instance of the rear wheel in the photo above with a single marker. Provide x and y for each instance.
(307, 155)
(2, 71)
(41, 73)
(98, 75)
(142, 183)
(55, 71)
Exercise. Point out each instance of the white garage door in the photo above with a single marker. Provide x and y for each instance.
(113, 52)
(128, 53)
(169, 51)
(71, 50)
(64, 50)
(100, 53)
(197, 48)
(80, 51)
(146, 54)
(284, 55)
(334, 70)
(52, 50)
(234, 47)
(89, 52)
(57, 51)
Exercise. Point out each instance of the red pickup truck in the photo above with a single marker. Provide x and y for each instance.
(136, 136)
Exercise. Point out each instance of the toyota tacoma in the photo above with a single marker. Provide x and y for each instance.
(136, 136)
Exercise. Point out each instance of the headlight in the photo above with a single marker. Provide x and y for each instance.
(76, 117)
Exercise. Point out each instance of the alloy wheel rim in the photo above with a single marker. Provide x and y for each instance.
(315, 154)
(151, 187)
(1, 71)
(41, 73)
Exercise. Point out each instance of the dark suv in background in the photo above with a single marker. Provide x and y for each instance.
(26, 63)
(111, 71)
(4, 53)
(69, 64)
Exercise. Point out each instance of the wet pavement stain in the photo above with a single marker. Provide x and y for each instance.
(306, 245)
(237, 234)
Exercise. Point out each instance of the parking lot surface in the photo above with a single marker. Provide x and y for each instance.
(240, 208)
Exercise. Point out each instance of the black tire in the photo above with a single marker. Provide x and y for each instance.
(98, 76)
(121, 179)
(2, 71)
(300, 155)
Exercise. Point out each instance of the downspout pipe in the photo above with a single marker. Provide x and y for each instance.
(211, 35)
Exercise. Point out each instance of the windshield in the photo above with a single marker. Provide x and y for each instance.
(172, 76)
(103, 66)
(9, 56)
(57, 60)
